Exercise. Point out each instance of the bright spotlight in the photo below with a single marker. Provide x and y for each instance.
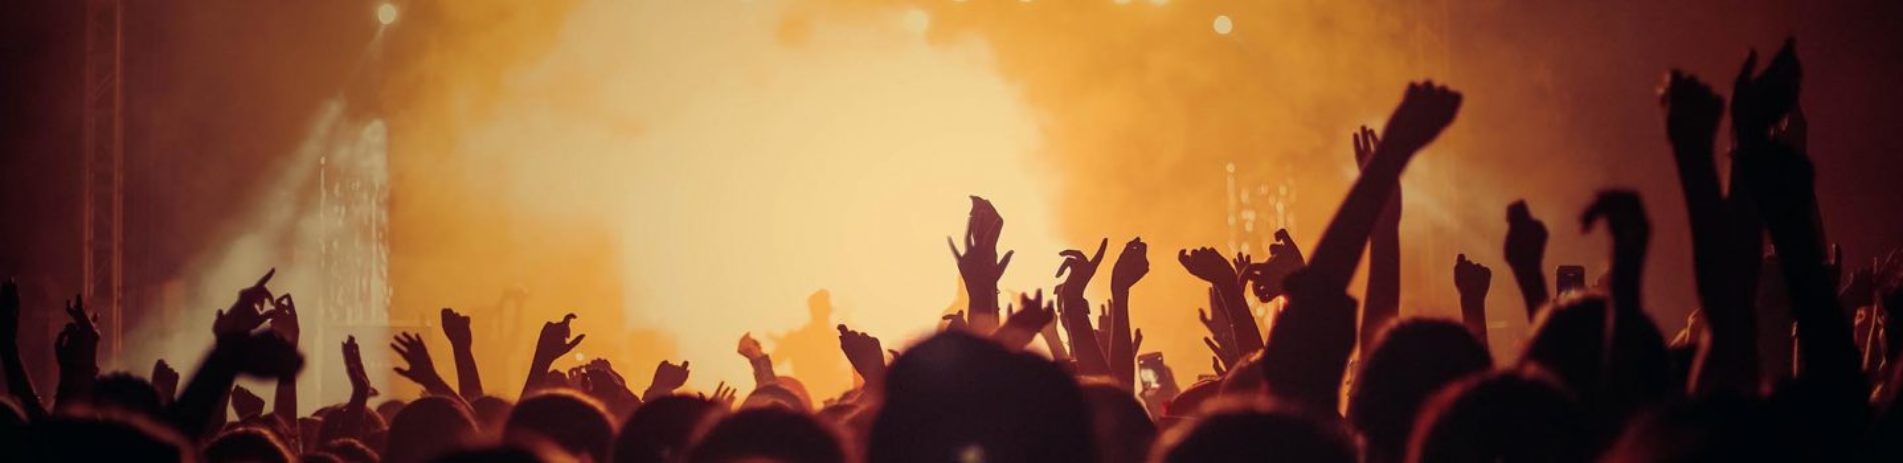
(386, 14)
(1223, 25)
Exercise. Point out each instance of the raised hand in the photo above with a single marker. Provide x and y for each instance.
(1081, 269)
(1692, 113)
(762, 364)
(723, 394)
(1426, 110)
(77, 349)
(749, 347)
(165, 380)
(1265, 278)
(1525, 251)
(247, 312)
(77, 346)
(283, 318)
(456, 328)
(422, 369)
(1208, 265)
(865, 355)
(554, 341)
(599, 380)
(1624, 214)
(1132, 265)
(667, 378)
(1226, 299)
(1025, 323)
(247, 404)
(1760, 101)
(979, 264)
(1473, 280)
(1364, 141)
(360, 389)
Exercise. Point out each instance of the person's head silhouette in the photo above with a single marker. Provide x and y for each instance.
(1410, 360)
(769, 434)
(427, 427)
(573, 421)
(959, 397)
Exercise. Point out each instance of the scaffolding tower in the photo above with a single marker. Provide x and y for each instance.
(102, 147)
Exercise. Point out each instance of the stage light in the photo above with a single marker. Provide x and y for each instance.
(386, 14)
(1223, 25)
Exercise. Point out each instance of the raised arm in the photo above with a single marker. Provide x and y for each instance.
(1424, 112)
(1525, 252)
(667, 378)
(18, 383)
(456, 328)
(866, 356)
(552, 344)
(980, 265)
(77, 349)
(1131, 266)
(1383, 302)
(1308, 351)
(284, 401)
(1243, 336)
(1631, 237)
(1781, 181)
(1727, 359)
(240, 349)
(1074, 310)
(1472, 280)
(422, 368)
(762, 364)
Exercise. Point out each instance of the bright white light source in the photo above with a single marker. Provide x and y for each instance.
(916, 21)
(386, 14)
(1224, 25)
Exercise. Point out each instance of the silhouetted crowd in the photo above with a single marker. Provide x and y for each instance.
(1597, 380)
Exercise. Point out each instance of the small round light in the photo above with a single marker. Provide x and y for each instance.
(386, 14)
(1224, 25)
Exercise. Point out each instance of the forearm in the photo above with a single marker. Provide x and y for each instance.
(1339, 252)
(538, 370)
(982, 313)
(468, 380)
(1727, 360)
(763, 370)
(1383, 302)
(284, 403)
(1713, 253)
(1246, 336)
(1122, 357)
(75, 383)
(1053, 343)
(200, 408)
(1823, 336)
(1083, 344)
(1532, 282)
(1473, 313)
(20, 385)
